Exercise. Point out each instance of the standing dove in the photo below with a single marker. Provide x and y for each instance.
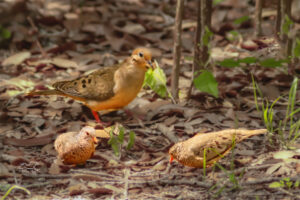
(109, 88)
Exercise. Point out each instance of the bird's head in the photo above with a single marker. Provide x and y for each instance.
(88, 133)
(141, 57)
(174, 151)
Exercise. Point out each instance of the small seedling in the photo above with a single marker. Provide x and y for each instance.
(116, 141)
(288, 124)
(285, 183)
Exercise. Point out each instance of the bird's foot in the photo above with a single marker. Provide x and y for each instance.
(101, 123)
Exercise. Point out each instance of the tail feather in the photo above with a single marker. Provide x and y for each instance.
(45, 92)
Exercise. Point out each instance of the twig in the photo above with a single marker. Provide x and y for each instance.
(36, 185)
(289, 193)
(177, 182)
(267, 180)
(241, 170)
(56, 176)
(43, 52)
(258, 11)
(196, 62)
(177, 49)
(126, 176)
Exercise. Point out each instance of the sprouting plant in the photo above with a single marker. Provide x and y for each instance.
(285, 183)
(288, 123)
(116, 141)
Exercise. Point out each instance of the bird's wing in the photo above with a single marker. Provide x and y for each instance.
(95, 86)
(215, 146)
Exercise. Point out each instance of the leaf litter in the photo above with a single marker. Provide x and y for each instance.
(77, 40)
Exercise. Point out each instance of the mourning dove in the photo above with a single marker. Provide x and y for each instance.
(217, 144)
(108, 88)
(76, 147)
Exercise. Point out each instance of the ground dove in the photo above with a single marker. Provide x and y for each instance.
(108, 88)
(217, 144)
(75, 148)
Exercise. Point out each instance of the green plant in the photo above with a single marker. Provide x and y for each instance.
(285, 183)
(4, 33)
(206, 82)
(269, 62)
(157, 81)
(15, 187)
(286, 124)
(116, 141)
(233, 178)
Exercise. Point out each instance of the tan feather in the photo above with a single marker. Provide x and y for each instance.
(216, 145)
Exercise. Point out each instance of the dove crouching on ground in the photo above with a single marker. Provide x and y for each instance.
(215, 145)
(108, 88)
(76, 147)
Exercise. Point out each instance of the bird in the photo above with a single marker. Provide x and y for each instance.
(108, 88)
(75, 148)
(213, 146)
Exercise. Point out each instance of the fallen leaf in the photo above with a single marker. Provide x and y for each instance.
(4, 171)
(64, 63)
(16, 59)
(37, 141)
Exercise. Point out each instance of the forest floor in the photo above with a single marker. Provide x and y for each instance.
(59, 41)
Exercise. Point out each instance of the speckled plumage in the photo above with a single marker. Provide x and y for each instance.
(76, 147)
(108, 88)
(217, 144)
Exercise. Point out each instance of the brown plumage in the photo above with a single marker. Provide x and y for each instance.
(217, 144)
(75, 148)
(109, 88)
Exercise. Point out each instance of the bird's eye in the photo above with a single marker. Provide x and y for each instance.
(87, 133)
(141, 54)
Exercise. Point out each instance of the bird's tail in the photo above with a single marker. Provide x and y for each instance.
(249, 133)
(44, 92)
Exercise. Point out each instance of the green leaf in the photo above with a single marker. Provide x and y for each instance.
(189, 58)
(216, 2)
(121, 135)
(4, 33)
(206, 82)
(115, 147)
(271, 62)
(297, 48)
(232, 177)
(131, 140)
(232, 35)
(112, 137)
(157, 81)
(296, 184)
(248, 60)
(241, 20)
(287, 24)
(229, 63)
(206, 37)
(275, 185)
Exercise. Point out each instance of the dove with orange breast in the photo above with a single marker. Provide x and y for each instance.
(109, 88)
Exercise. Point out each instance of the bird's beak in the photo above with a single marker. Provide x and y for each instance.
(149, 64)
(95, 140)
(171, 159)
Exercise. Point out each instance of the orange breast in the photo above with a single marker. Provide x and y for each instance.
(120, 100)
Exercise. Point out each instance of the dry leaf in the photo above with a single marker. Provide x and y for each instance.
(16, 59)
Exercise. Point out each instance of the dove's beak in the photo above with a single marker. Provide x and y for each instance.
(149, 64)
